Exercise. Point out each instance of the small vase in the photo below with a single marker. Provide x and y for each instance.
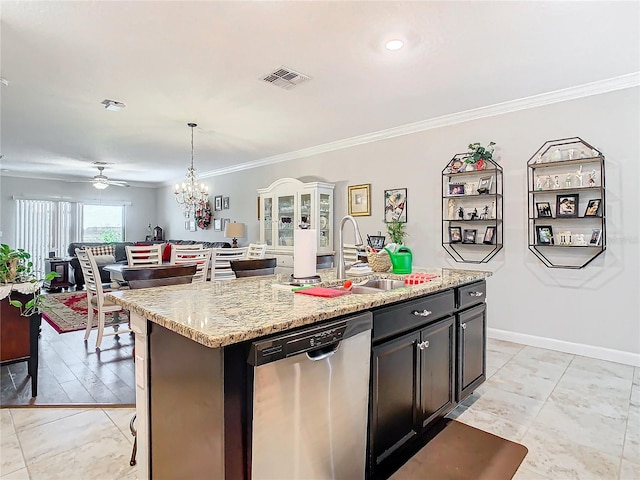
(470, 167)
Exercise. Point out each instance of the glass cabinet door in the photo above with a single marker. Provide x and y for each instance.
(325, 220)
(286, 220)
(268, 220)
(305, 211)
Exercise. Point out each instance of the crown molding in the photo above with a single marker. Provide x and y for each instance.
(594, 88)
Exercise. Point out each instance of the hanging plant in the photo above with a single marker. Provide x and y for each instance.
(203, 214)
(478, 154)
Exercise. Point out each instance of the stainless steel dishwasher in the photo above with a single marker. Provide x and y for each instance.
(310, 402)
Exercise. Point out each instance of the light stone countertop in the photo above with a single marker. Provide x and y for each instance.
(225, 312)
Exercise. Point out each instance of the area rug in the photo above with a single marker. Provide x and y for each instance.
(67, 312)
(462, 452)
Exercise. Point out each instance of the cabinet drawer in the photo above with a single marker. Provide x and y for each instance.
(471, 294)
(285, 260)
(389, 321)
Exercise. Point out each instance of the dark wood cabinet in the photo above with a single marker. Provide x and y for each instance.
(472, 340)
(61, 267)
(394, 395)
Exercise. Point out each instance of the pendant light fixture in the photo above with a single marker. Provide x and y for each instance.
(190, 193)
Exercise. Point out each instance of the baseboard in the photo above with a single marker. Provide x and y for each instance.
(601, 353)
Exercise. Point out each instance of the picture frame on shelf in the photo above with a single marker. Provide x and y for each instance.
(489, 235)
(376, 241)
(567, 205)
(544, 235)
(469, 235)
(593, 208)
(484, 185)
(225, 203)
(455, 234)
(395, 205)
(455, 165)
(217, 224)
(596, 236)
(217, 203)
(544, 210)
(360, 200)
(456, 189)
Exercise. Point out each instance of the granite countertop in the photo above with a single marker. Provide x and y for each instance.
(224, 312)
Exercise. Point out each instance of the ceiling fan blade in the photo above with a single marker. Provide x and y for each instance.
(119, 183)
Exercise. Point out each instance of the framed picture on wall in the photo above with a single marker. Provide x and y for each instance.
(190, 225)
(217, 224)
(217, 205)
(360, 200)
(395, 205)
(225, 203)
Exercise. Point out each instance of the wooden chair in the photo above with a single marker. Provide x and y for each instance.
(253, 268)
(96, 299)
(222, 266)
(256, 251)
(202, 259)
(147, 277)
(158, 275)
(350, 253)
(144, 255)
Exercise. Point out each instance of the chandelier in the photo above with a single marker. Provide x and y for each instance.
(190, 193)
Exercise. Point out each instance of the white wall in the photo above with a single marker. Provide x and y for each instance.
(139, 214)
(596, 308)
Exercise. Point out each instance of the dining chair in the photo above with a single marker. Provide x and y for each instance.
(350, 253)
(253, 267)
(202, 259)
(144, 254)
(256, 250)
(147, 277)
(222, 266)
(96, 300)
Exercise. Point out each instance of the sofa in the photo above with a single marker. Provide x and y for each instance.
(120, 255)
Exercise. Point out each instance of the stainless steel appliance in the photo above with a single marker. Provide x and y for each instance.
(310, 400)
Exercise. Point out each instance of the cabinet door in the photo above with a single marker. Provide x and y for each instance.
(286, 219)
(437, 366)
(267, 233)
(472, 340)
(394, 396)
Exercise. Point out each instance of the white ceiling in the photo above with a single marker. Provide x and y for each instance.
(179, 62)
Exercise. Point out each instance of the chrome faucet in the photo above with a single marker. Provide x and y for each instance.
(340, 267)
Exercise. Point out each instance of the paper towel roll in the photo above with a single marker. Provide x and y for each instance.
(304, 253)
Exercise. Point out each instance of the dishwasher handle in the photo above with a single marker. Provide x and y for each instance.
(323, 352)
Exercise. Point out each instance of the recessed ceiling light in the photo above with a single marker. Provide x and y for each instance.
(394, 44)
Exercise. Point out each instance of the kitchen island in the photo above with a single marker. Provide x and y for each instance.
(191, 360)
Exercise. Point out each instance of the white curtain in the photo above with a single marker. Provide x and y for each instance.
(43, 226)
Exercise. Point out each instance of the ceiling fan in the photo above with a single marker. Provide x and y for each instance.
(101, 181)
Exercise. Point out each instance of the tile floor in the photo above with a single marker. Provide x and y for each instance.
(579, 418)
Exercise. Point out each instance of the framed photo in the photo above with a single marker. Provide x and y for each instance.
(376, 241)
(544, 210)
(225, 203)
(469, 235)
(489, 235)
(395, 205)
(217, 205)
(217, 224)
(455, 234)
(484, 184)
(190, 225)
(544, 234)
(360, 200)
(456, 189)
(455, 165)
(596, 235)
(593, 208)
(567, 205)
(225, 221)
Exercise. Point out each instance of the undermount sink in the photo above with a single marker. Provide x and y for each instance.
(377, 285)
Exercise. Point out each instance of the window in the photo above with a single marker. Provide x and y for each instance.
(102, 223)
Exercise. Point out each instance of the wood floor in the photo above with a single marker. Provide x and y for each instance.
(73, 372)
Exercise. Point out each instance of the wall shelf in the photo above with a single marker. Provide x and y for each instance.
(487, 207)
(571, 164)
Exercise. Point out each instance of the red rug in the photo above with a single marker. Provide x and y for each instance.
(67, 312)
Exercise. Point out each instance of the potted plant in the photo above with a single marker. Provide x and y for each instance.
(16, 267)
(478, 155)
(396, 231)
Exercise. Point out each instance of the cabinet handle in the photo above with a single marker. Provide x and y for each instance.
(463, 325)
(423, 345)
(476, 294)
(424, 313)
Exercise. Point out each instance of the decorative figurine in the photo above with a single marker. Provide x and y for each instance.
(452, 209)
(556, 182)
(592, 178)
(485, 213)
(473, 215)
(556, 156)
(567, 181)
(461, 213)
(572, 151)
(547, 184)
(578, 175)
(538, 183)
(493, 209)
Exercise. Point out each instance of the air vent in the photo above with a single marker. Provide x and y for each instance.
(286, 78)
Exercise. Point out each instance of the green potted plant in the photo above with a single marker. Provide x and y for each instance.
(396, 231)
(16, 267)
(478, 155)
